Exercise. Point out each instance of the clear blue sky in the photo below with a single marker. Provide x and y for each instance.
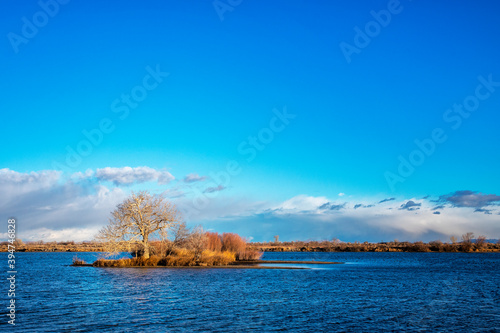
(353, 118)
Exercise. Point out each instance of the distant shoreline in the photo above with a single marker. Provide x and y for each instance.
(326, 246)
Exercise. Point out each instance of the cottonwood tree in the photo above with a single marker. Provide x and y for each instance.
(138, 219)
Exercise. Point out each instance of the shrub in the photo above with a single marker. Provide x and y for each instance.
(450, 248)
(436, 245)
(233, 243)
(158, 248)
(178, 257)
(249, 255)
(212, 258)
(481, 243)
(420, 247)
(214, 242)
(187, 259)
(103, 263)
(141, 261)
(78, 262)
(467, 242)
(122, 263)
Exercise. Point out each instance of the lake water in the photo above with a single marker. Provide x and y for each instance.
(452, 292)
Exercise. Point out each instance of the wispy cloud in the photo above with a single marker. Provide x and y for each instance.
(214, 189)
(482, 210)
(128, 175)
(356, 206)
(194, 177)
(174, 193)
(386, 200)
(410, 205)
(332, 206)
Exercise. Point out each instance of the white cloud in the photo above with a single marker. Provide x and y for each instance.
(66, 234)
(341, 194)
(301, 203)
(43, 201)
(194, 177)
(128, 175)
(82, 175)
(28, 181)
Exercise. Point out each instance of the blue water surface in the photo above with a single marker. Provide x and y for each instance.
(448, 292)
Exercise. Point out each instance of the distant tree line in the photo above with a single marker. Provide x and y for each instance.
(468, 243)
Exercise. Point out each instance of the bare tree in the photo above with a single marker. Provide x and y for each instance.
(137, 219)
(453, 239)
(197, 241)
(467, 241)
(468, 237)
(178, 237)
(481, 242)
(180, 234)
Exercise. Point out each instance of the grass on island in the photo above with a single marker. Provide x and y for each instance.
(212, 250)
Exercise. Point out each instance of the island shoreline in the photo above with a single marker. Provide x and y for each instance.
(246, 264)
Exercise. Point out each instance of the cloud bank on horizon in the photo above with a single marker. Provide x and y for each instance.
(52, 206)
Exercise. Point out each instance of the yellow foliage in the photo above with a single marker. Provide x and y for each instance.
(212, 258)
(181, 252)
(179, 257)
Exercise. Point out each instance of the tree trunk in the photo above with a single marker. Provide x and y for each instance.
(145, 248)
(145, 255)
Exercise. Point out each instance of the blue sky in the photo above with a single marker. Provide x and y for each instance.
(233, 67)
